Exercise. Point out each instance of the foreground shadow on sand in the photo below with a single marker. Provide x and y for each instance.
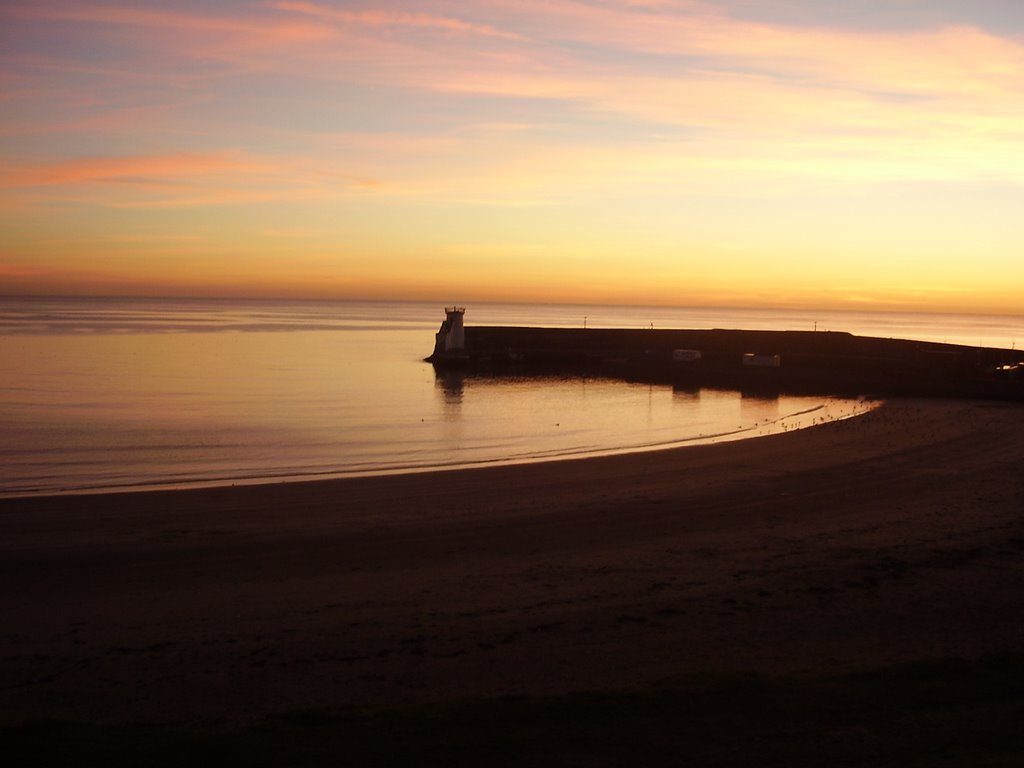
(951, 712)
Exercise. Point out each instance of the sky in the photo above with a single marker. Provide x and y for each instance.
(768, 153)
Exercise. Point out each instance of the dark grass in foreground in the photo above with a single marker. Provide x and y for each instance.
(945, 713)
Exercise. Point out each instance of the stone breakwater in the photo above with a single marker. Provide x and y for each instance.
(792, 361)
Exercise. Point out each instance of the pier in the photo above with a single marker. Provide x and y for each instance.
(824, 362)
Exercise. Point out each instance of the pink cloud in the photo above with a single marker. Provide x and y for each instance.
(772, 90)
(24, 270)
(940, 60)
(527, 48)
(135, 169)
(378, 18)
(179, 179)
(257, 30)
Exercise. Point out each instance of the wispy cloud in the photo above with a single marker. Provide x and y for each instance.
(679, 64)
(256, 29)
(177, 179)
(378, 18)
(129, 170)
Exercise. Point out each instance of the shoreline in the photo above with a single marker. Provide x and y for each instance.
(821, 554)
(784, 423)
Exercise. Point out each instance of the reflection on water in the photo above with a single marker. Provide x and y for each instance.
(522, 418)
(686, 391)
(451, 383)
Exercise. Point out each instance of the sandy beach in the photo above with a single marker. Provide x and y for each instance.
(811, 569)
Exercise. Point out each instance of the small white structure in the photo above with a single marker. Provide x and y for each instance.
(685, 355)
(450, 339)
(762, 361)
(455, 332)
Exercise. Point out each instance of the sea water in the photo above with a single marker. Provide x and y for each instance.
(116, 394)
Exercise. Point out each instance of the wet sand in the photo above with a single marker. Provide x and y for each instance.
(851, 551)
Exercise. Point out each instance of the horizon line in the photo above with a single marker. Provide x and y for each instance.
(513, 302)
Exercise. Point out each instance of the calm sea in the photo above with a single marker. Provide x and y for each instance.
(100, 394)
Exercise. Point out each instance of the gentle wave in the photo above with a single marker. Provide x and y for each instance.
(56, 484)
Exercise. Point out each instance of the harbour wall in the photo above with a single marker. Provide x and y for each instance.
(824, 362)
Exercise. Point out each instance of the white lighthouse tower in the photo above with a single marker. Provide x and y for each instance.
(455, 341)
(450, 340)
